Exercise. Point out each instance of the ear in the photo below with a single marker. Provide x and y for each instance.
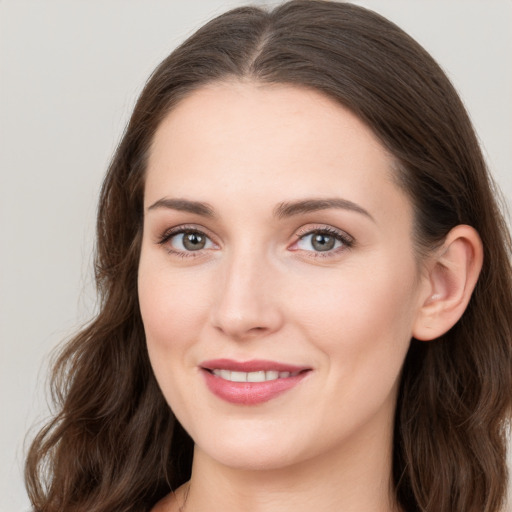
(451, 275)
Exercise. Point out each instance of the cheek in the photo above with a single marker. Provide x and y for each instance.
(361, 324)
(364, 311)
(173, 313)
(172, 310)
(171, 303)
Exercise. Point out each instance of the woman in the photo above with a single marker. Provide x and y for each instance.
(305, 282)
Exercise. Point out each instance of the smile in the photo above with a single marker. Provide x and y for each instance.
(251, 382)
(258, 376)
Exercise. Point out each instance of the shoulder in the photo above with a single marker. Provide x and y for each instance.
(166, 504)
(173, 502)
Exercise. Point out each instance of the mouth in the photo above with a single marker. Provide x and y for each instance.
(258, 376)
(251, 382)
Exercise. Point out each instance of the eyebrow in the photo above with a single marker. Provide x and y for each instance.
(282, 210)
(184, 205)
(289, 209)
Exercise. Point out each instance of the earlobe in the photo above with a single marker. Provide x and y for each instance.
(452, 274)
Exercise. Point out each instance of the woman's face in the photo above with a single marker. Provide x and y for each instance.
(277, 249)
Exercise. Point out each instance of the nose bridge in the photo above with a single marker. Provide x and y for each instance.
(246, 303)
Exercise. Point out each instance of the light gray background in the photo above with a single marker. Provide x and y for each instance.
(70, 72)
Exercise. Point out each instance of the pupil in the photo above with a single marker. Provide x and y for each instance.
(193, 241)
(323, 242)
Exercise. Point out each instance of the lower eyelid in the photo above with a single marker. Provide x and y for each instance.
(338, 246)
(178, 230)
(209, 244)
(344, 240)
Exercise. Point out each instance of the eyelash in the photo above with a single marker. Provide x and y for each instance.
(181, 230)
(346, 240)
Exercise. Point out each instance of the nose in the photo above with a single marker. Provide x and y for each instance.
(247, 303)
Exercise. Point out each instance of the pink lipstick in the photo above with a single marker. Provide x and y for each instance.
(250, 382)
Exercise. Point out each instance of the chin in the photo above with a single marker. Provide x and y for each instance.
(265, 459)
(251, 451)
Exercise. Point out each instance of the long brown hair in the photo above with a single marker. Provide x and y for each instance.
(114, 444)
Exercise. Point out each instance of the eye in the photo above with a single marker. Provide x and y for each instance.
(183, 240)
(190, 241)
(323, 240)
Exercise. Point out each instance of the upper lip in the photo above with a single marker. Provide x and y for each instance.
(254, 365)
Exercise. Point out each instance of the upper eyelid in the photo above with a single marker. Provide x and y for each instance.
(323, 228)
(183, 228)
(164, 240)
(299, 233)
(347, 241)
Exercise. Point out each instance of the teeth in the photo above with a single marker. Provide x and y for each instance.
(256, 377)
(225, 374)
(271, 375)
(260, 376)
(238, 377)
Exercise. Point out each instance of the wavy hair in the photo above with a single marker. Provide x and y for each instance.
(114, 444)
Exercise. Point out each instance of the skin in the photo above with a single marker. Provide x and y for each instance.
(259, 289)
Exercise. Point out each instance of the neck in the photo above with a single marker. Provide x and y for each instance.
(354, 478)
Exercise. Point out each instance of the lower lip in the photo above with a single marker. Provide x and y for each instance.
(250, 393)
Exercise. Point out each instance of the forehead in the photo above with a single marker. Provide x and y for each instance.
(268, 141)
(245, 112)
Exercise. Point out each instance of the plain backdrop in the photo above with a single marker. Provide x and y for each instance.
(70, 72)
